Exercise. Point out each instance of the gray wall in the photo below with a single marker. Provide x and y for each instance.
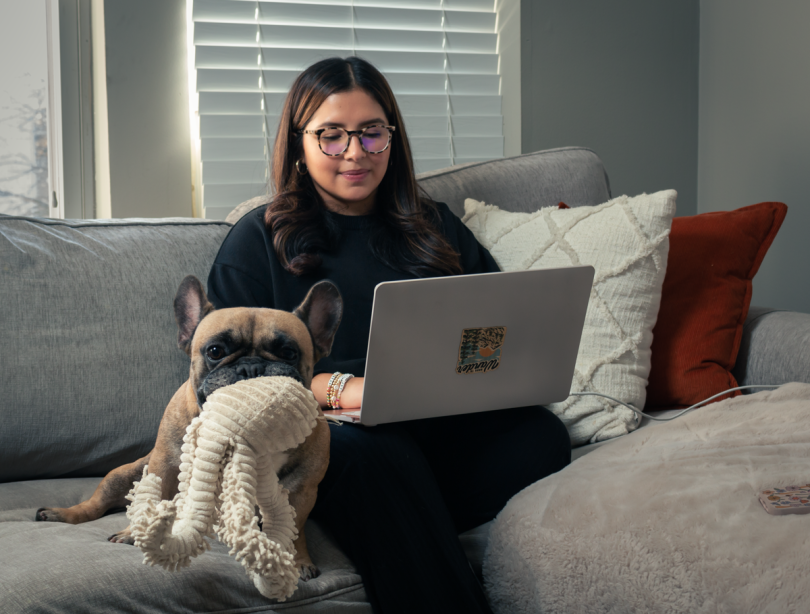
(620, 77)
(754, 142)
(148, 109)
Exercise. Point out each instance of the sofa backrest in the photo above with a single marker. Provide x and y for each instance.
(90, 356)
(573, 175)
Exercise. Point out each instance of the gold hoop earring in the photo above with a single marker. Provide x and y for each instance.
(298, 168)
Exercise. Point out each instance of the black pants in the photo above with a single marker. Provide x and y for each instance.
(396, 496)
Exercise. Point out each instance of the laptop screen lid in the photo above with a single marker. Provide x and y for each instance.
(468, 343)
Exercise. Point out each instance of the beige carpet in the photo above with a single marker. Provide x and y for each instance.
(666, 519)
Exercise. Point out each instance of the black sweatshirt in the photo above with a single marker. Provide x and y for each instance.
(246, 273)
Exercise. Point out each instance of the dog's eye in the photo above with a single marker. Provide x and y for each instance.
(288, 354)
(215, 352)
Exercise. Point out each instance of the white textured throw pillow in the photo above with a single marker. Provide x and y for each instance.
(627, 241)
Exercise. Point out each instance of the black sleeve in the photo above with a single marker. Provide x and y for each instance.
(241, 273)
(475, 258)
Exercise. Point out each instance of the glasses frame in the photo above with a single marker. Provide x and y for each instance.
(352, 133)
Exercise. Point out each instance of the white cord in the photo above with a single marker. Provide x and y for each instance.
(641, 413)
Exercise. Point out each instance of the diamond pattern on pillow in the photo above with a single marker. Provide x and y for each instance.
(626, 240)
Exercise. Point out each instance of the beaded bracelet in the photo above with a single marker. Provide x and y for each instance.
(330, 392)
(343, 379)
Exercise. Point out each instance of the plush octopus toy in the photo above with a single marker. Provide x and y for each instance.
(225, 472)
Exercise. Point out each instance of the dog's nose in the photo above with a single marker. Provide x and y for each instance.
(249, 370)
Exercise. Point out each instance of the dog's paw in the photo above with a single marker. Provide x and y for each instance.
(308, 571)
(47, 514)
(122, 537)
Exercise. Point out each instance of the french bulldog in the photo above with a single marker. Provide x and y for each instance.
(226, 346)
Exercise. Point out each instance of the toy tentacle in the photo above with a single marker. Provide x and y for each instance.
(267, 561)
(152, 521)
(203, 485)
(278, 516)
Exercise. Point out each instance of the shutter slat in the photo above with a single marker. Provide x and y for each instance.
(234, 125)
(221, 172)
(406, 19)
(478, 125)
(240, 103)
(430, 147)
(414, 83)
(272, 58)
(431, 62)
(334, 15)
(228, 149)
(414, 104)
(230, 80)
(475, 105)
(427, 126)
(283, 13)
(310, 37)
(464, 21)
(212, 56)
(228, 196)
(478, 146)
(481, 63)
(340, 37)
(470, 5)
(220, 11)
(280, 81)
(475, 84)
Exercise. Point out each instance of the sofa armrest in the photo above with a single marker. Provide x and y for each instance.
(775, 348)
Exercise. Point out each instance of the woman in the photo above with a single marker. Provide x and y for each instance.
(347, 208)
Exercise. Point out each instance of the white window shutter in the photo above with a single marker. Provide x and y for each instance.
(440, 57)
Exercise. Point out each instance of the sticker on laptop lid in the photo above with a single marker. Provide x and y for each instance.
(480, 349)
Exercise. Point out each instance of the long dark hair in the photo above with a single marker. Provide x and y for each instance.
(406, 235)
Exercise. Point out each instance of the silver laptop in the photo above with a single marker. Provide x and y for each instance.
(461, 344)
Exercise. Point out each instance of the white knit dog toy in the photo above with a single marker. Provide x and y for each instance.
(226, 470)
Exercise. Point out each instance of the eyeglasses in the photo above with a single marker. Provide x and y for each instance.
(335, 141)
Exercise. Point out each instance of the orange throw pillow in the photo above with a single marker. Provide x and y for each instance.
(704, 302)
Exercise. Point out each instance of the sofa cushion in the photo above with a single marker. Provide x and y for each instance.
(73, 568)
(111, 577)
(87, 311)
(713, 258)
(626, 241)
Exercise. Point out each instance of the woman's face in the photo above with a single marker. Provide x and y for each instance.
(348, 182)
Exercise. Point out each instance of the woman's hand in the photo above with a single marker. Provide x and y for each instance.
(350, 398)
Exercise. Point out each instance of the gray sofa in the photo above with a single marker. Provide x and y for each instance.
(90, 361)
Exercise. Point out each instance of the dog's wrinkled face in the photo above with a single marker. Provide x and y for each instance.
(229, 345)
(237, 344)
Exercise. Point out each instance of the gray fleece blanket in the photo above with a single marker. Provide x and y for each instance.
(666, 519)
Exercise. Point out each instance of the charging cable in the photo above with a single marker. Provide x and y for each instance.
(641, 413)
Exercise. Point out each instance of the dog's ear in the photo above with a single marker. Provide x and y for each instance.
(191, 305)
(321, 311)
